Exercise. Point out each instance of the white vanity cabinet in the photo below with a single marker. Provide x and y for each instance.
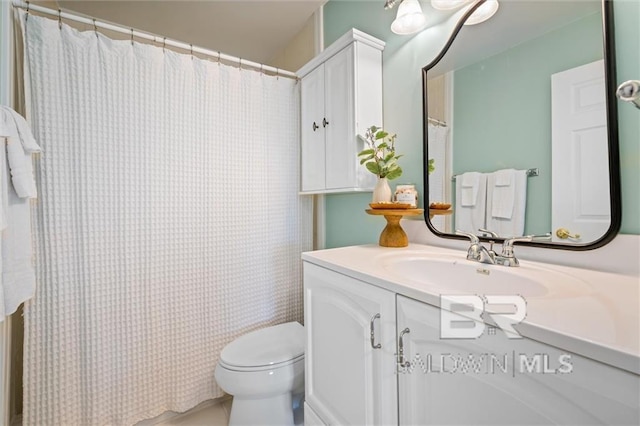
(341, 96)
(494, 380)
(349, 373)
(490, 379)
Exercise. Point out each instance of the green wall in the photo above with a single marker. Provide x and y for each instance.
(502, 109)
(403, 58)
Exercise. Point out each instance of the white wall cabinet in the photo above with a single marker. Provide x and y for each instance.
(490, 380)
(341, 96)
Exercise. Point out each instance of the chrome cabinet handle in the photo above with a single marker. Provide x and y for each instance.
(325, 123)
(315, 126)
(401, 361)
(372, 328)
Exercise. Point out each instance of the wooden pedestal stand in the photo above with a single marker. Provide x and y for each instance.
(393, 235)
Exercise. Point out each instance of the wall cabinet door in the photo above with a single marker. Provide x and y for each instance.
(339, 124)
(349, 380)
(500, 381)
(312, 148)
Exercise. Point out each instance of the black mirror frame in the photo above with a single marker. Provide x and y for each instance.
(612, 133)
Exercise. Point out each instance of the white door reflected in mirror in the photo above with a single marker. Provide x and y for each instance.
(580, 190)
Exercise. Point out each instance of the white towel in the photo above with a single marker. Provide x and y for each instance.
(21, 169)
(20, 144)
(469, 188)
(504, 192)
(22, 130)
(513, 226)
(17, 275)
(471, 218)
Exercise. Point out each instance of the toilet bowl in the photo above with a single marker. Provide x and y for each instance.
(264, 371)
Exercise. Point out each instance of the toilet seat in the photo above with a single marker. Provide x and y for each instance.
(266, 348)
(260, 367)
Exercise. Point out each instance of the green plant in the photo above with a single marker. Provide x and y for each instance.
(380, 155)
(431, 165)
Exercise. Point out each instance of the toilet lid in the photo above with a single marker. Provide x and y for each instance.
(267, 346)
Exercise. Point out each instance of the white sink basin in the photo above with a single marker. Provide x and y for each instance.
(449, 274)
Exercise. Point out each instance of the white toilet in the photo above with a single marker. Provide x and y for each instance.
(264, 371)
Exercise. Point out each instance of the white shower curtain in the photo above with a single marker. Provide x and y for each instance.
(168, 223)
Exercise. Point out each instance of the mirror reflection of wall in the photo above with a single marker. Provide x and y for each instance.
(499, 112)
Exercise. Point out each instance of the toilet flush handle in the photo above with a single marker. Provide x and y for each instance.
(373, 334)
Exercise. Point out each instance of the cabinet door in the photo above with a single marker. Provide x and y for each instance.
(340, 132)
(312, 150)
(347, 380)
(494, 380)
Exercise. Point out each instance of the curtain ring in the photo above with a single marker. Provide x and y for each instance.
(219, 57)
(240, 64)
(59, 19)
(191, 50)
(95, 27)
(26, 18)
(164, 44)
(277, 73)
(131, 36)
(261, 70)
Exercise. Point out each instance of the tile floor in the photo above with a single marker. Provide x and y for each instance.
(209, 413)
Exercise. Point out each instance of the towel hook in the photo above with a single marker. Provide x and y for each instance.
(59, 19)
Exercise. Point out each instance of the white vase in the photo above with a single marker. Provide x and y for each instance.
(382, 191)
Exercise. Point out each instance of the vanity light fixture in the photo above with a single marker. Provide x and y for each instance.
(389, 4)
(447, 4)
(409, 19)
(484, 12)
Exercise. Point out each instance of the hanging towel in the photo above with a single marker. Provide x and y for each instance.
(504, 191)
(470, 218)
(22, 130)
(507, 219)
(20, 144)
(470, 182)
(17, 274)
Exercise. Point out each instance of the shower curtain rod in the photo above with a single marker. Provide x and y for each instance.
(151, 37)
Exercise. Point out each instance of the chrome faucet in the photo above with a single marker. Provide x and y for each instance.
(494, 236)
(507, 257)
(477, 252)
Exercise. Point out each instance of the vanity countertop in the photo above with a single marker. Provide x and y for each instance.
(600, 321)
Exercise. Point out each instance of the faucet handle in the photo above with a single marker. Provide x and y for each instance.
(507, 245)
(476, 251)
(473, 239)
(486, 231)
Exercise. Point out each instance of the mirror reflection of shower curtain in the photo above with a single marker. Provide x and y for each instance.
(438, 141)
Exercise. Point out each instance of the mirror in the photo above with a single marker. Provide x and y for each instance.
(520, 123)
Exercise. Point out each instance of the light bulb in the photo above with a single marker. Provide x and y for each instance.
(409, 19)
(484, 12)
